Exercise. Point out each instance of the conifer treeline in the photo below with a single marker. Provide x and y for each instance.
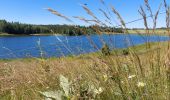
(27, 29)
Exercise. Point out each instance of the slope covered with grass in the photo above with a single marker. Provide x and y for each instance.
(140, 74)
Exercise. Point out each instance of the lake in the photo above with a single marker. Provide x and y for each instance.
(57, 46)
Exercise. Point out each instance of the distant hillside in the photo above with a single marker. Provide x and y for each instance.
(27, 29)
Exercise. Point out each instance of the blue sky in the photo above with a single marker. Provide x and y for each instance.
(33, 12)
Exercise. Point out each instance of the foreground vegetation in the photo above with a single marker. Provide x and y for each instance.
(139, 74)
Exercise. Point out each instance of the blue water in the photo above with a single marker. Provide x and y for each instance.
(57, 46)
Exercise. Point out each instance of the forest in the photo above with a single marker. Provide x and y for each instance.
(28, 29)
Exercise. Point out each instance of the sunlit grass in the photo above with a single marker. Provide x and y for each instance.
(23, 77)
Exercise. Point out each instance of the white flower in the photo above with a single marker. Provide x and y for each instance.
(141, 84)
(131, 76)
(98, 91)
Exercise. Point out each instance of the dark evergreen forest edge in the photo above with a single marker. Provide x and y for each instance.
(17, 28)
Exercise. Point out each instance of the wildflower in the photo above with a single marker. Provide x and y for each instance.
(141, 84)
(131, 76)
(98, 91)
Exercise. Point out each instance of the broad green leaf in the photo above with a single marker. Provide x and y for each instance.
(64, 83)
(57, 95)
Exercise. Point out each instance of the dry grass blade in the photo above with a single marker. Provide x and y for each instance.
(96, 20)
(89, 11)
(108, 19)
(120, 18)
(167, 8)
(168, 16)
(108, 22)
(142, 12)
(58, 14)
(108, 12)
(87, 20)
(149, 8)
(105, 14)
(81, 18)
(156, 17)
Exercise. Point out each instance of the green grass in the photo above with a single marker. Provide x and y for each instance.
(4, 34)
(142, 31)
(40, 34)
(23, 78)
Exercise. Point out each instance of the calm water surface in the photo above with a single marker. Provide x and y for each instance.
(57, 46)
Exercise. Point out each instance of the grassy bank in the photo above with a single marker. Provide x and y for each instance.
(142, 31)
(139, 74)
(41, 34)
(5, 34)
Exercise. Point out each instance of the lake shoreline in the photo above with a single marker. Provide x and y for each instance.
(56, 46)
(15, 35)
(119, 51)
(108, 33)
